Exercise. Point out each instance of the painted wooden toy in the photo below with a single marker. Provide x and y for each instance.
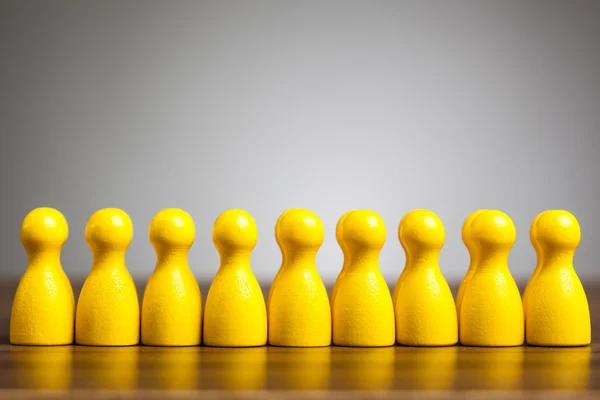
(424, 307)
(491, 313)
(235, 313)
(298, 307)
(473, 254)
(108, 311)
(557, 310)
(172, 304)
(363, 313)
(43, 311)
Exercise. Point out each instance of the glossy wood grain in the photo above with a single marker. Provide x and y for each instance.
(81, 372)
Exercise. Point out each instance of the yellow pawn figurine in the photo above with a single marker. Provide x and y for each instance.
(338, 237)
(108, 311)
(424, 307)
(538, 253)
(235, 314)
(363, 313)
(276, 275)
(172, 304)
(491, 313)
(298, 311)
(557, 309)
(43, 311)
(473, 254)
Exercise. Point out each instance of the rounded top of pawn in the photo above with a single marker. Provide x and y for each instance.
(172, 227)
(421, 229)
(299, 229)
(234, 230)
(109, 228)
(493, 229)
(338, 228)
(466, 228)
(43, 227)
(363, 229)
(533, 231)
(557, 229)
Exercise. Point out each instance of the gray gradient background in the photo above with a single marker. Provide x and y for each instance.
(331, 106)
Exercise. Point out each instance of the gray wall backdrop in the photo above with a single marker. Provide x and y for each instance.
(331, 106)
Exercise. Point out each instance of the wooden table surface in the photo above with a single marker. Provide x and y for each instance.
(80, 372)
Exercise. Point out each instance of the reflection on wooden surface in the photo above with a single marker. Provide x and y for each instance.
(106, 367)
(425, 368)
(558, 369)
(42, 367)
(170, 368)
(299, 368)
(362, 368)
(234, 369)
(498, 368)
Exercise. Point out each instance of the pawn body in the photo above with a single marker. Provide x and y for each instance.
(108, 312)
(43, 311)
(172, 304)
(492, 312)
(363, 313)
(235, 314)
(557, 309)
(473, 255)
(298, 310)
(424, 307)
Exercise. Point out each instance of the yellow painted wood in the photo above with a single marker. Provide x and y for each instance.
(492, 311)
(108, 312)
(338, 237)
(539, 256)
(43, 311)
(398, 284)
(172, 304)
(298, 311)
(466, 238)
(558, 313)
(235, 314)
(363, 313)
(276, 275)
(424, 307)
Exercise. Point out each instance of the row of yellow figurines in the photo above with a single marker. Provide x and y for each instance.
(360, 313)
(276, 368)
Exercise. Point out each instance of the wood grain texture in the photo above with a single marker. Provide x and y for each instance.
(80, 372)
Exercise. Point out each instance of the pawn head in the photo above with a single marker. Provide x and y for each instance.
(466, 228)
(558, 229)
(234, 230)
(533, 231)
(173, 228)
(363, 229)
(493, 229)
(109, 228)
(44, 227)
(421, 229)
(299, 229)
(338, 229)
